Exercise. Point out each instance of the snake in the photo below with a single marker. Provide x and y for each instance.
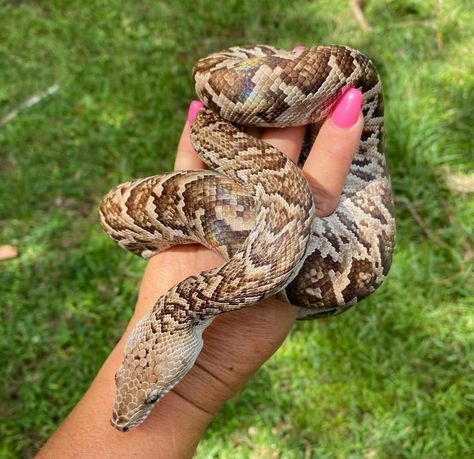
(253, 206)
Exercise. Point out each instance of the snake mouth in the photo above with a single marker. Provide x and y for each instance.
(126, 424)
(124, 427)
(119, 427)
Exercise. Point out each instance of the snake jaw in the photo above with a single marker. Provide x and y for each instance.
(126, 424)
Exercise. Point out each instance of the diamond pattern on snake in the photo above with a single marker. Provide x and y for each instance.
(255, 208)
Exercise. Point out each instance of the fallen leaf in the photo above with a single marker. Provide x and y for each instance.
(460, 183)
(7, 252)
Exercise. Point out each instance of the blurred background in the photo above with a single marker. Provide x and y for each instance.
(95, 93)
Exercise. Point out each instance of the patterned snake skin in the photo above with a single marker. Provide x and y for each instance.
(255, 208)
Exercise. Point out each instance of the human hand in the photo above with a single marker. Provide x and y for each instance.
(239, 342)
(236, 344)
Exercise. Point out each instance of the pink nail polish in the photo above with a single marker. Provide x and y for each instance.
(194, 107)
(298, 48)
(347, 109)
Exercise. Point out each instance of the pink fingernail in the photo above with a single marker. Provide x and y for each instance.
(194, 107)
(347, 109)
(298, 48)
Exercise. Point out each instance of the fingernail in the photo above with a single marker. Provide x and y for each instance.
(298, 48)
(347, 109)
(194, 107)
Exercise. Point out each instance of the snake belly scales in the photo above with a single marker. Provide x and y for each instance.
(254, 207)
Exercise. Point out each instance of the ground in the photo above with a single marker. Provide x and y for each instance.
(392, 378)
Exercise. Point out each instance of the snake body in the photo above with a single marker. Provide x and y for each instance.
(255, 208)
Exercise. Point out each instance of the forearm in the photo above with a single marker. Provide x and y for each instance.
(173, 429)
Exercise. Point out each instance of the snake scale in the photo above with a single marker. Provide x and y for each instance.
(254, 207)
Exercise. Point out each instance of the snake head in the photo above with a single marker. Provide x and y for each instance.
(155, 360)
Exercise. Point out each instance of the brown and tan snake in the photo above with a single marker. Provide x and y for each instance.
(255, 208)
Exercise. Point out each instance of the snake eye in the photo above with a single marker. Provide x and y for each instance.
(153, 396)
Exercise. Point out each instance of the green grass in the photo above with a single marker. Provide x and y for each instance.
(390, 379)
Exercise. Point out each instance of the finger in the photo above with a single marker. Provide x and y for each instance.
(288, 140)
(299, 48)
(331, 154)
(253, 131)
(186, 157)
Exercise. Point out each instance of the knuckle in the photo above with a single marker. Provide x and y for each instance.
(325, 206)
